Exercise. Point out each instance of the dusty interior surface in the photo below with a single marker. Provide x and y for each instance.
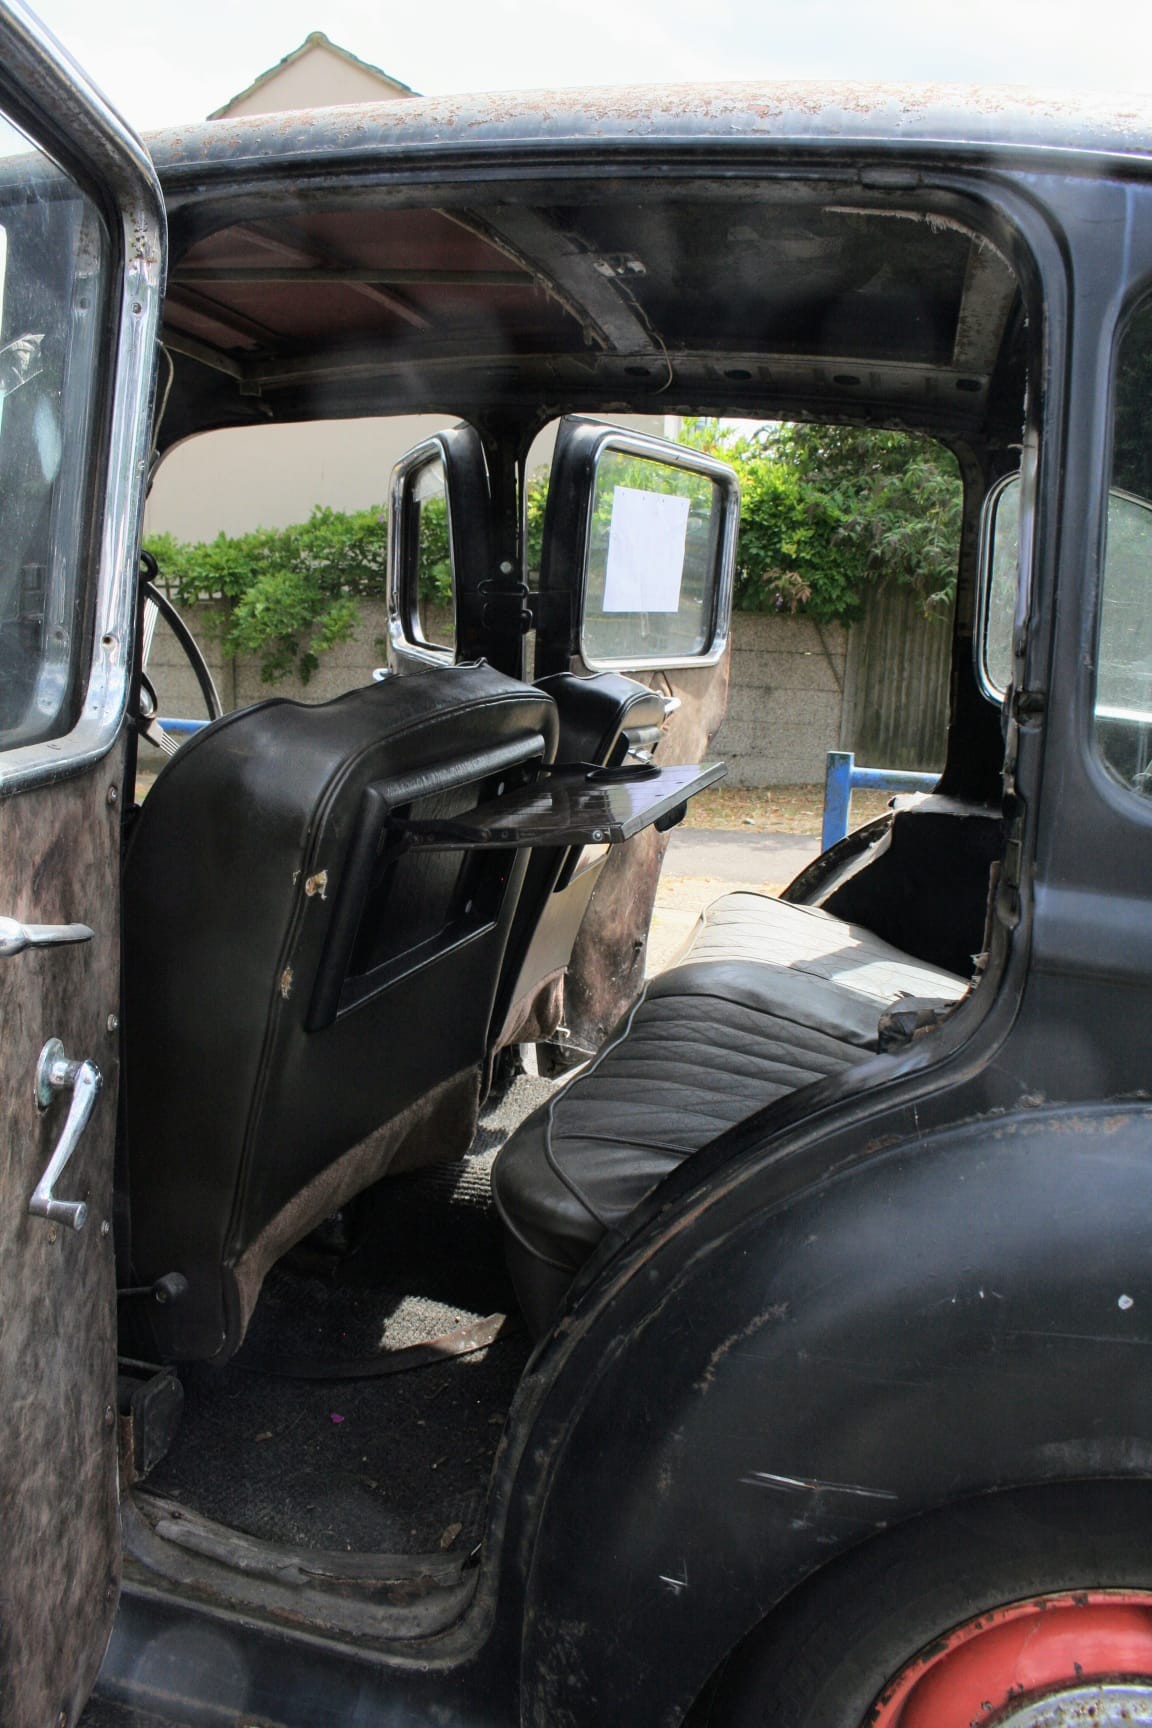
(397, 1464)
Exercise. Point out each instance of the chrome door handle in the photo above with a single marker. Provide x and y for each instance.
(55, 1073)
(15, 937)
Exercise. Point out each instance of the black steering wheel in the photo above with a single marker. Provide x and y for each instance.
(154, 607)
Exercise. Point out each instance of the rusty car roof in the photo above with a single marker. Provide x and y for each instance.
(799, 112)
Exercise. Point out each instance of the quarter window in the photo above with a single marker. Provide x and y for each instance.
(1123, 704)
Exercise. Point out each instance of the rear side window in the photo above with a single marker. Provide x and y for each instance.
(1123, 705)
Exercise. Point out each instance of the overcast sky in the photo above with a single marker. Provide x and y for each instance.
(168, 61)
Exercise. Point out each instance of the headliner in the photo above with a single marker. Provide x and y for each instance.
(635, 250)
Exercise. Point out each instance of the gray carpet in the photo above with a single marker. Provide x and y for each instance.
(396, 1465)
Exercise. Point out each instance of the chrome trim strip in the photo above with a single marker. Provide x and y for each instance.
(404, 635)
(984, 583)
(76, 121)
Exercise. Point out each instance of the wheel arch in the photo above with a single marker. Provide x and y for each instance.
(886, 1606)
(768, 1375)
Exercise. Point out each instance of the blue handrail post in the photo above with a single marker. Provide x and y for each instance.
(837, 797)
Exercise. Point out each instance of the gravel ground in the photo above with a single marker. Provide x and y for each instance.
(775, 809)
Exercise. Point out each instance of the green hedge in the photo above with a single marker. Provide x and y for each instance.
(826, 512)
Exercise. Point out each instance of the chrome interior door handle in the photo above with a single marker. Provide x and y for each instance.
(15, 937)
(55, 1073)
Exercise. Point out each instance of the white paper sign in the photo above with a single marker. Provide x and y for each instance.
(645, 551)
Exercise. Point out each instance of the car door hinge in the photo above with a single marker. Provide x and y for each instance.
(1029, 704)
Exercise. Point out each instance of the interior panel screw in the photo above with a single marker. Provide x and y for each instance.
(113, 1022)
(105, 1228)
(109, 1416)
(113, 795)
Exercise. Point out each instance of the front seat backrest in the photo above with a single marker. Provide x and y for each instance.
(307, 1004)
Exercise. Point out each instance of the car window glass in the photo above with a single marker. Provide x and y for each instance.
(1123, 704)
(1002, 559)
(651, 560)
(51, 278)
(432, 544)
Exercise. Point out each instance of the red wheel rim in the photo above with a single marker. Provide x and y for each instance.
(1028, 1649)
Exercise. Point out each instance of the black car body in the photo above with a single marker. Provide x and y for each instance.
(868, 1365)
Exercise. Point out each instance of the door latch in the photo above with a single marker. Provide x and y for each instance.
(56, 1073)
(15, 937)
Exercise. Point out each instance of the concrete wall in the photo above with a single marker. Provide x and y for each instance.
(238, 681)
(784, 706)
(785, 700)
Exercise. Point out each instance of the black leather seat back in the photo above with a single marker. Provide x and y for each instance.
(600, 717)
(308, 1005)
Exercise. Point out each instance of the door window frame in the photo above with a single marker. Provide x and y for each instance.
(110, 165)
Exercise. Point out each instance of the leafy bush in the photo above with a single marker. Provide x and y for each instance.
(292, 591)
(826, 513)
(434, 553)
(829, 511)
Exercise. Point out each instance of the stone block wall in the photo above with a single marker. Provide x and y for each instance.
(784, 707)
(785, 699)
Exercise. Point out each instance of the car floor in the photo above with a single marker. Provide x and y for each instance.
(397, 1464)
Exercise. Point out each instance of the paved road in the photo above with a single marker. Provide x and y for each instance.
(730, 856)
(703, 863)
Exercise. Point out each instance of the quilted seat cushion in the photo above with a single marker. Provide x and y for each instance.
(770, 997)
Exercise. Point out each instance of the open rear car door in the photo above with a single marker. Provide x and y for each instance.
(81, 264)
(636, 575)
(636, 578)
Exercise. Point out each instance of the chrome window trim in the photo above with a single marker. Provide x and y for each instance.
(69, 117)
(720, 624)
(987, 515)
(1025, 477)
(404, 632)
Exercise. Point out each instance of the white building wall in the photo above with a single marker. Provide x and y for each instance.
(246, 477)
(314, 78)
(240, 478)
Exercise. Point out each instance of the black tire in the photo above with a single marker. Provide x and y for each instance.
(823, 1657)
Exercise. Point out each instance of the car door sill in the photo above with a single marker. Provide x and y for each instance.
(375, 1599)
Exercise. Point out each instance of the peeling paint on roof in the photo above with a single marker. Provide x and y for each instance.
(800, 113)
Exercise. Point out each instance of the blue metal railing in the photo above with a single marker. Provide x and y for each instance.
(842, 778)
(180, 726)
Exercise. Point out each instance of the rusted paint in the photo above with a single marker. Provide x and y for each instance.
(317, 884)
(57, 1343)
(778, 1311)
(795, 112)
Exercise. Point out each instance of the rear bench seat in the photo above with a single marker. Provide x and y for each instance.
(768, 998)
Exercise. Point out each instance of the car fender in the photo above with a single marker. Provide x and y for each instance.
(807, 1349)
